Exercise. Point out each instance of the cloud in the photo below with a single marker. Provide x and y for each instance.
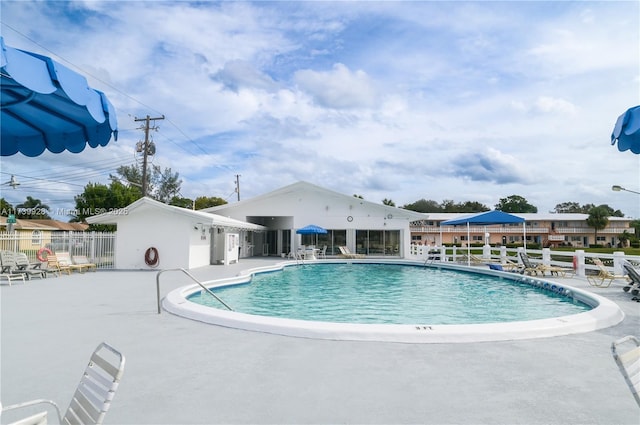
(339, 88)
(489, 166)
(237, 73)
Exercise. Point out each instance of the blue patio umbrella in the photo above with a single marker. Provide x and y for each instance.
(46, 106)
(312, 229)
(627, 131)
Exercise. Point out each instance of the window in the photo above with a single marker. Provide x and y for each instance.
(36, 237)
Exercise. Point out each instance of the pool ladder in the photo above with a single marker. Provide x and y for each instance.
(192, 278)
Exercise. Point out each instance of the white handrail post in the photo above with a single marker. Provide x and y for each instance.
(546, 256)
(618, 260)
(580, 264)
(503, 254)
(520, 250)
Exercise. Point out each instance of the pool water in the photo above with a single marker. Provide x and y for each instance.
(390, 294)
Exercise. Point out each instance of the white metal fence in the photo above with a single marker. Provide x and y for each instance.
(99, 247)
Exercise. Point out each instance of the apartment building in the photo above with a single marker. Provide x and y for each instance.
(547, 230)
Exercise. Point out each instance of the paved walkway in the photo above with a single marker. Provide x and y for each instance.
(185, 372)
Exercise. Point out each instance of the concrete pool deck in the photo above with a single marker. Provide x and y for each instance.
(180, 371)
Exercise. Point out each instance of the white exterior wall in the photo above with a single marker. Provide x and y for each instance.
(171, 235)
(327, 210)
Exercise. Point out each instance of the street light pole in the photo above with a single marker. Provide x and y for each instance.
(617, 188)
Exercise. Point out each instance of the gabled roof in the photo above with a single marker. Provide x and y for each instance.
(308, 189)
(113, 217)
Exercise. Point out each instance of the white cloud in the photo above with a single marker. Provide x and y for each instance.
(339, 88)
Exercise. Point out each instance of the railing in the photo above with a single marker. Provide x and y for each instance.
(192, 278)
(518, 230)
(579, 259)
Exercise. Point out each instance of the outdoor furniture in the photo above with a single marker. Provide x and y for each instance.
(531, 268)
(83, 261)
(56, 266)
(512, 266)
(604, 277)
(470, 259)
(629, 363)
(8, 268)
(634, 286)
(94, 393)
(64, 258)
(323, 252)
(29, 269)
(310, 253)
(348, 254)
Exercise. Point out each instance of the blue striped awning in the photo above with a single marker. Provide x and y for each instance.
(47, 106)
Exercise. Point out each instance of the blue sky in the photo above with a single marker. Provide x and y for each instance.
(443, 100)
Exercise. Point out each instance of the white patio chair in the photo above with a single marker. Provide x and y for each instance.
(629, 363)
(93, 395)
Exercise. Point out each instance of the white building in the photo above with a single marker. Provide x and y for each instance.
(264, 225)
(182, 238)
(364, 227)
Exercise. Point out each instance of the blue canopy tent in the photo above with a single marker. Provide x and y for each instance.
(46, 106)
(486, 219)
(627, 131)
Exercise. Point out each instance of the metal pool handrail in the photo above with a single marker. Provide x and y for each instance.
(192, 278)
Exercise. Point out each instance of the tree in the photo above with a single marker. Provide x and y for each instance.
(466, 207)
(6, 208)
(423, 206)
(98, 198)
(207, 202)
(515, 204)
(388, 202)
(574, 207)
(636, 227)
(167, 184)
(357, 196)
(569, 207)
(162, 185)
(598, 219)
(33, 208)
(624, 239)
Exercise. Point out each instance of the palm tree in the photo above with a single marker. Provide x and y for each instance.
(598, 219)
(33, 208)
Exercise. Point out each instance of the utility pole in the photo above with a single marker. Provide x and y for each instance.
(238, 185)
(146, 128)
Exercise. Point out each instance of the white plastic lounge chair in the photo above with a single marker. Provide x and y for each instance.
(94, 393)
(629, 363)
(9, 269)
(83, 262)
(29, 270)
(346, 253)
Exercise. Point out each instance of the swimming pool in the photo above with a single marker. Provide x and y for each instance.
(488, 298)
(390, 294)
